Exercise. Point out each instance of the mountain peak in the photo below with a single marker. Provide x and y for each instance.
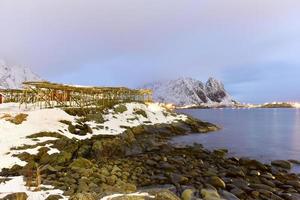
(12, 76)
(188, 91)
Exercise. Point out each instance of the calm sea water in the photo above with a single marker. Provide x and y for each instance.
(263, 134)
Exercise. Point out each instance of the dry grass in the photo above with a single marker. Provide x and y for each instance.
(18, 119)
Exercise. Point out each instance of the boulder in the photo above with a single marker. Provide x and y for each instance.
(14, 196)
(209, 194)
(217, 182)
(83, 196)
(80, 163)
(282, 164)
(227, 195)
(187, 194)
(166, 195)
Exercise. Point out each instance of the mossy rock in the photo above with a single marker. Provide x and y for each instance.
(54, 197)
(120, 108)
(45, 134)
(166, 195)
(83, 196)
(80, 163)
(98, 118)
(61, 158)
(14, 196)
(140, 112)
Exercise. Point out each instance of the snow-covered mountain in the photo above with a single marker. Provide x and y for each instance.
(188, 92)
(12, 76)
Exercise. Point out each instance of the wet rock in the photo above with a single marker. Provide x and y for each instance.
(217, 182)
(282, 163)
(209, 194)
(252, 164)
(165, 195)
(263, 187)
(235, 172)
(297, 162)
(220, 152)
(254, 173)
(268, 176)
(294, 183)
(238, 192)
(178, 179)
(227, 195)
(187, 194)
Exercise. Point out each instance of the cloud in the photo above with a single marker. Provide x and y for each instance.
(131, 42)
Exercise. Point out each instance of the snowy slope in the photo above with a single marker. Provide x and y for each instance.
(49, 120)
(13, 76)
(188, 91)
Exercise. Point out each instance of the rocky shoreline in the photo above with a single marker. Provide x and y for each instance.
(142, 160)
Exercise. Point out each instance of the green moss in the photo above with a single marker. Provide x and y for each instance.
(65, 122)
(98, 118)
(45, 134)
(140, 112)
(120, 108)
(81, 163)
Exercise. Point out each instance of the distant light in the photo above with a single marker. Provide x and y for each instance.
(169, 106)
(297, 105)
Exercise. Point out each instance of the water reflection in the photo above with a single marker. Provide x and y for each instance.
(265, 134)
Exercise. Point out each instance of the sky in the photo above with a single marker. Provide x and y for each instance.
(252, 46)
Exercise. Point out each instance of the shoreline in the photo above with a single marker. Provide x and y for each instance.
(141, 160)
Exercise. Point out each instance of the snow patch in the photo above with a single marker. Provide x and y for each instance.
(17, 184)
(144, 194)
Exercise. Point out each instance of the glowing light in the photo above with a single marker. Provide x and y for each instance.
(297, 105)
(169, 106)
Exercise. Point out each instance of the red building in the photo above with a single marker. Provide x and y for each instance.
(1, 98)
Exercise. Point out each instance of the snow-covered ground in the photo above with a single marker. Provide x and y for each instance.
(48, 120)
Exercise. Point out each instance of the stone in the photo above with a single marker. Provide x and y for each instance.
(14, 196)
(235, 172)
(268, 176)
(165, 195)
(227, 195)
(217, 182)
(282, 163)
(254, 173)
(252, 164)
(80, 163)
(294, 183)
(111, 180)
(178, 179)
(54, 197)
(238, 192)
(83, 196)
(187, 194)
(82, 186)
(220, 152)
(209, 194)
(263, 187)
(297, 162)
